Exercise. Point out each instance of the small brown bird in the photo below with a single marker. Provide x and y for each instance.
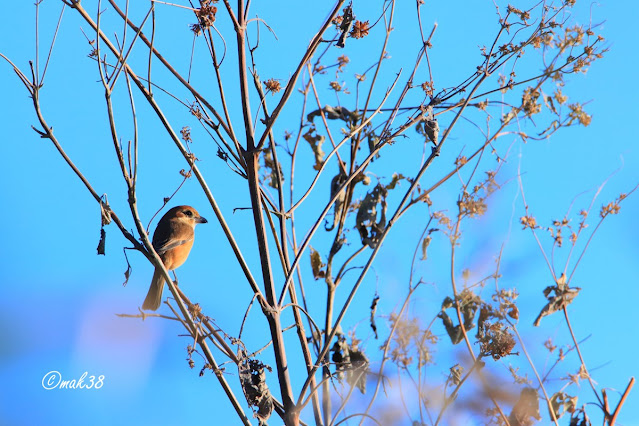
(172, 240)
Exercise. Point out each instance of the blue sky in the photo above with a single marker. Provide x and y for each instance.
(60, 299)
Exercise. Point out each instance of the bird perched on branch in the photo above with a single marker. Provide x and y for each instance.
(172, 240)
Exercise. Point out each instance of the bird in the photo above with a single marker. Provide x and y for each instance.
(172, 240)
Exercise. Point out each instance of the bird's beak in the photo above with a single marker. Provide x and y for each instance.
(201, 220)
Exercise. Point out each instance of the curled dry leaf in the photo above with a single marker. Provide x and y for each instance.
(373, 310)
(373, 140)
(429, 126)
(562, 403)
(102, 242)
(548, 100)
(337, 181)
(316, 142)
(253, 380)
(334, 113)
(370, 230)
(526, 410)
(350, 362)
(105, 211)
(395, 180)
(425, 243)
(105, 219)
(468, 304)
(127, 274)
(345, 25)
(317, 264)
(563, 296)
(455, 376)
(270, 174)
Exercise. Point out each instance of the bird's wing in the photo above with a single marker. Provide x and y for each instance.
(167, 245)
(164, 238)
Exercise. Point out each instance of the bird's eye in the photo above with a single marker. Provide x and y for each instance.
(189, 213)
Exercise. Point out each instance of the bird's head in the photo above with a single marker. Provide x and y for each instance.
(186, 214)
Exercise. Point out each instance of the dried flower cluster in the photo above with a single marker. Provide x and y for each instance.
(410, 342)
(205, 16)
(272, 85)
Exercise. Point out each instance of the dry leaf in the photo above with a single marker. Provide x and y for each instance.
(425, 244)
(526, 410)
(350, 362)
(317, 264)
(563, 296)
(253, 380)
(367, 216)
(102, 243)
(373, 310)
(316, 142)
(337, 181)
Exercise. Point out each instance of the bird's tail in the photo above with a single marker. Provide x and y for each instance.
(154, 296)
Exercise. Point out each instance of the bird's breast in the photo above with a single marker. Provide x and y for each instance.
(176, 256)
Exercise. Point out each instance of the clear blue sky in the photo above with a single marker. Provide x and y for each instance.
(59, 298)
